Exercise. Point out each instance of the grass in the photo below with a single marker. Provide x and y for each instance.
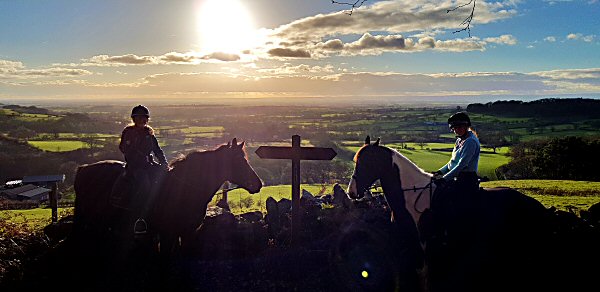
(58, 145)
(33, 218)
(431, 159)
(37, 117)
(277, 192)
(562, 194)
(197, 129)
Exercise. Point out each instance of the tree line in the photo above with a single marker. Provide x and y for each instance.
(568, 158)
(548, 108)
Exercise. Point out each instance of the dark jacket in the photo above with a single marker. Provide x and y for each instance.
(139, 145)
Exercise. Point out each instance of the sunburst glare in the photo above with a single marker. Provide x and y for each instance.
(226, 26)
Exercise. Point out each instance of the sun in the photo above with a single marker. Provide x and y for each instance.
(226, 26)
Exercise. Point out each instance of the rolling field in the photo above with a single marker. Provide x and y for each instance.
(277, 192)
(58, 145)
(564, 195)
(432, 157)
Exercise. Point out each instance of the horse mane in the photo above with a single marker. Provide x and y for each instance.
(395, 152)
(359, 152)
(409, 162)
(200, 154)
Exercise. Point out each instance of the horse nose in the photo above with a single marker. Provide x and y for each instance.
(255, 187)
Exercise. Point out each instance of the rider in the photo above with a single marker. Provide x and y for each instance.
(456, 197)
(145, 161)
(139, 145)
(462, 167)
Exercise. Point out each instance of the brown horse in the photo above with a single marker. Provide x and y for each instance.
(506, 230)
(180, 204)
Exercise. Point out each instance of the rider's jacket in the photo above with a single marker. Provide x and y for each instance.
(465, 157)
(139, 144)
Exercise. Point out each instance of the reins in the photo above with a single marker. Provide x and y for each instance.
(227, 190)
(414, 189)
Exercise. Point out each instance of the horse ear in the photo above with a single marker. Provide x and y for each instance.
(228, 144)
(234, 142)
(368, 140)
(242, 144)
(377, 142)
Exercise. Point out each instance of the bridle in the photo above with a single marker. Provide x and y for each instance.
(414, 189)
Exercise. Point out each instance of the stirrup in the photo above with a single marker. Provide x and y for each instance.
(140, 226)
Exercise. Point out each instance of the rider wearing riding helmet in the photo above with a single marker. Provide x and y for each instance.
(462, 167)
(138, 143)
(145, 165)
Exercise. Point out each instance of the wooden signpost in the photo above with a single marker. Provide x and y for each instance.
(46, 180)
(296, 153)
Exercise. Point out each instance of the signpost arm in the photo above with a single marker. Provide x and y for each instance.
(295, 188)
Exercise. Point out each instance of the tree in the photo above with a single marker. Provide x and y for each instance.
(571, 158)
(22, 133)
(493, 139)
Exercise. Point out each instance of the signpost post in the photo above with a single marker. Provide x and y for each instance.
(296, 153)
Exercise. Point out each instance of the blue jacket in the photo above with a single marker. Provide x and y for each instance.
(465, 157)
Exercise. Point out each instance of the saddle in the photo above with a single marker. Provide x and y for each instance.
(452, 209)
(130, 192)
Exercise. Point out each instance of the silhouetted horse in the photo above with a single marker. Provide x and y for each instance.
(506, 229)
(182, 198)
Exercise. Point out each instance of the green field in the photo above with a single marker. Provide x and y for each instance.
(197, 129)
(58, 145)
(562, 194)
(277, 192)
(34, 218)
(431, 158)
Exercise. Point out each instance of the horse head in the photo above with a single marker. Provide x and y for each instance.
(239, 170)
(369, 160)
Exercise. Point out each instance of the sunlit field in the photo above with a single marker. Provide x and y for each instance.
(58, 145)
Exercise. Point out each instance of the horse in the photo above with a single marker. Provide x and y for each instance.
(507, 229)
(180, 203)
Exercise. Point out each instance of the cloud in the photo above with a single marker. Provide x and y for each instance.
(571, 74)
(166, 59)
(288, 69)
(123, 60)
(368, 44)
(578, 36)
(379, 26)
(16, 70)
(289, 53)
(324, 81)
(550, 39)
(391, 17)
(225, 57)
(506, 39)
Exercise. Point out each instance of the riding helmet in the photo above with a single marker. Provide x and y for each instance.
(458, 119)
(140, 110)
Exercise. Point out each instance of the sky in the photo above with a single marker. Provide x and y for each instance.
(106, 50)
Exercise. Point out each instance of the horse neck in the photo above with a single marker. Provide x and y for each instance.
(411, 176)
(199, 176)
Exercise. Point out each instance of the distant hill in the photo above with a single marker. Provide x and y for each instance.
(27, 109)
(550, 108)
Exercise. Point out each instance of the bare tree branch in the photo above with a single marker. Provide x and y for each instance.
(467, 21)
(356, 4)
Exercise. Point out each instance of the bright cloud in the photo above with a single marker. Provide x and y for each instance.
(392, 17)
(303, 79)
(578, 36)
(16, 70)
